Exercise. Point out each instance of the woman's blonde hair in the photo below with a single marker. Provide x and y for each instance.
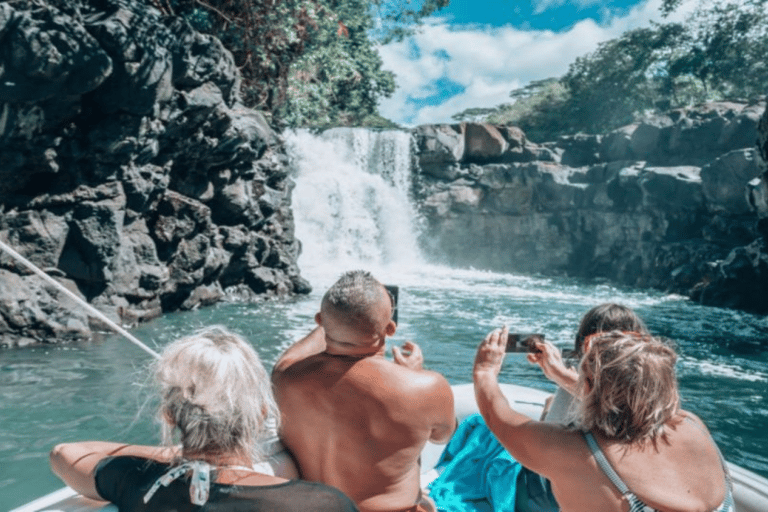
(216, 393)
(628, 386)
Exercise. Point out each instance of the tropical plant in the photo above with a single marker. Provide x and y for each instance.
(309, 62)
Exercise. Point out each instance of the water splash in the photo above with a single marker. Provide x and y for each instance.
(351, 202)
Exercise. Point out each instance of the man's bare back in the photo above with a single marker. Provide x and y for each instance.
(355, 420)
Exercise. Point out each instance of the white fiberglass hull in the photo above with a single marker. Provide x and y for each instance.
(750, 490)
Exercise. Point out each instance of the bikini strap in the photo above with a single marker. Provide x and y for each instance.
(635, 505)
(599, 456)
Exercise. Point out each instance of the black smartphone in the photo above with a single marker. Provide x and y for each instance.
(393, 290)
(523, 342)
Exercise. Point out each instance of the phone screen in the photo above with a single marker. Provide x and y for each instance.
(523, 342)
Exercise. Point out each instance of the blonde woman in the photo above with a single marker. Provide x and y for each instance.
(216, 396)
(633, 448)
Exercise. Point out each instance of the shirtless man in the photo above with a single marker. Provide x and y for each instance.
(351, 418)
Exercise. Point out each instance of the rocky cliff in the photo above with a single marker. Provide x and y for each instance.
(130, 171)
(674, 202)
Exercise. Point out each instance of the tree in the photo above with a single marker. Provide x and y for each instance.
(622, 78)
(308, 62)
(339, 78)
(726, 48)
(717, 53)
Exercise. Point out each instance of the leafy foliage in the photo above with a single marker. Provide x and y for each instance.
(537, 110)
(308, 62)
(718, 53)
(338, 79)
(622, 77)
(727, 48)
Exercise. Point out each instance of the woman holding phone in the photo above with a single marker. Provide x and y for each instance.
(632, 447)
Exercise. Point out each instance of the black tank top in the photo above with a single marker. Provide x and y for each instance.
(125, 480)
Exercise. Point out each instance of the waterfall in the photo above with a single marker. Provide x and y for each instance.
(351, 202)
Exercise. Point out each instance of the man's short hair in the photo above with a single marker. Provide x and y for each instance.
(354, 294)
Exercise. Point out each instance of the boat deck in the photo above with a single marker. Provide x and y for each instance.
(750, 490)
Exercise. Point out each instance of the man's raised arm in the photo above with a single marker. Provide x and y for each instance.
(310, 345)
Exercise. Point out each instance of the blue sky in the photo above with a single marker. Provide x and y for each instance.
(474, 52)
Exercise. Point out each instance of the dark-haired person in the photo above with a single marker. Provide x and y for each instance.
(602, 318)
(217, 396)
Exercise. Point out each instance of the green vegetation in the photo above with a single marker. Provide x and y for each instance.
(537, 109)
(309, 63)
(718, 53)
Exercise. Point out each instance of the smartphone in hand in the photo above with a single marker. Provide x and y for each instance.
(393, 291)
(523, 342)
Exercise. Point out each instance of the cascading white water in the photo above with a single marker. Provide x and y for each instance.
(351, 202)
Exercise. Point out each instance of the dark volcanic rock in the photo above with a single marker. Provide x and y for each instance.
(740, 279)
(129, 170)
(677, 202)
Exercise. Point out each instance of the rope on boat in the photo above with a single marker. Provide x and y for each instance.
(95, 312)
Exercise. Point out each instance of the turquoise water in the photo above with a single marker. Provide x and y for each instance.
(100, 390)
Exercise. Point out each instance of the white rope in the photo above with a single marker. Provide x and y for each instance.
(95, 312)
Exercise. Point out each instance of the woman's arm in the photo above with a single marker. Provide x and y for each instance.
(538, 446)
(549, 358)
(492, 403)
(74, 463)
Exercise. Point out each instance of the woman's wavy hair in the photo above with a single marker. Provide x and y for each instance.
(216, 393)
(628, 386)
(607, 317)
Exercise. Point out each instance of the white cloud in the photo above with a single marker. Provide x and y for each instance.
(541, 6)
(487, 62)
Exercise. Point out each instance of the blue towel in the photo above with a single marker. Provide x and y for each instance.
(476, 472)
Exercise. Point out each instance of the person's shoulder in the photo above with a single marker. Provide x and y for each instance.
(130, 462)
(692, 419)
(405, 374)
(692, 430)
(324, 497)
(421, 381)
(307, 367)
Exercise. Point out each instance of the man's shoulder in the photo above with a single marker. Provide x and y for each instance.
(306, 366)
(401, 377)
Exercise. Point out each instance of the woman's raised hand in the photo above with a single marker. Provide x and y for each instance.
(549, 358)
(490, 353)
